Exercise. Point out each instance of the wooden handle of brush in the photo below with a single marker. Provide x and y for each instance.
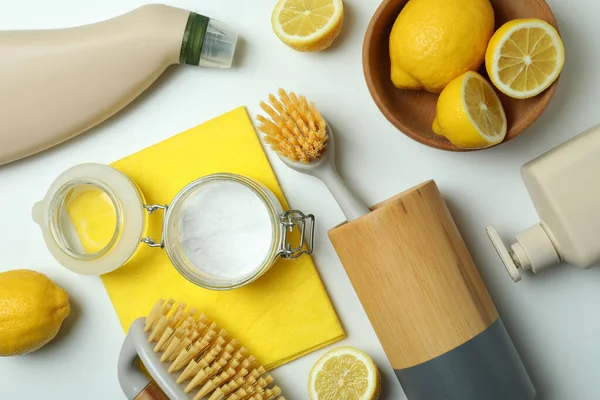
(151, 392)
(414, 276)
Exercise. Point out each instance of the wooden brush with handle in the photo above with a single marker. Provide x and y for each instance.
(413, 274)
(190, 358)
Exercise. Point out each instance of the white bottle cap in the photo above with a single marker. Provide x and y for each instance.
(533, 251)
(219, 44)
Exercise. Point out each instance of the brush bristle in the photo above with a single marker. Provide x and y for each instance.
(205, 359)
(294, 128)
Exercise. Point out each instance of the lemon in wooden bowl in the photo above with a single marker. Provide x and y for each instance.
(412, 112)
(434, 41)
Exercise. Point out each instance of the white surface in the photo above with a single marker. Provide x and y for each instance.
(552, 317)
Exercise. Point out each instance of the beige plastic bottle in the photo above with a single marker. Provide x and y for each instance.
(564, 185)
(55, 84)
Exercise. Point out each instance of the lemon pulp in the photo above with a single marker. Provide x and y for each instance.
(305, 17)
(485, 108)
(342, 377)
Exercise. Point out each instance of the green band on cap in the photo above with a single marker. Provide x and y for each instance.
(193, 38)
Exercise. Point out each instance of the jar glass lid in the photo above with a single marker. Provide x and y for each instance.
(91, 218)
(221, 231)
(87, 219)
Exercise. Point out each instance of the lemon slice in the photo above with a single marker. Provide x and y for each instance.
(344, 373)
(469, 113)
(524, 57)
(308, 25)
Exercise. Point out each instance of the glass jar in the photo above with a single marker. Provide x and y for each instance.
(94, 219)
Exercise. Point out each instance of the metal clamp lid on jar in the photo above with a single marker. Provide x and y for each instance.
(131, 215)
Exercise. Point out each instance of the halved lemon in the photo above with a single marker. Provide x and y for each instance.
(344, 373)
(524, 57)
(308, 25)
(469, 113)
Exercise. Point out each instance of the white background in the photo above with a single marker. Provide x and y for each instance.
(553, 317)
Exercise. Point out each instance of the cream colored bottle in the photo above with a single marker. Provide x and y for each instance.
(55, 84)
(564, 185)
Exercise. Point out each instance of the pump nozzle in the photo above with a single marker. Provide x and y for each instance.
(533, 251)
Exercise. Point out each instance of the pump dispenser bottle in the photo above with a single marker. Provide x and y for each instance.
(564, 185)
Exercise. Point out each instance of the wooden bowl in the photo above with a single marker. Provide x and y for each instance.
(412, 111)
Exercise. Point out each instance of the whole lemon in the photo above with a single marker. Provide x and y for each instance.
(32, 309)
(434, 41)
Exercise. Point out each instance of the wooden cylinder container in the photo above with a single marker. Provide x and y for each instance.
(427, 303)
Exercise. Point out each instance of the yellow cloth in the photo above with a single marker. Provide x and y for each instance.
(280, 317)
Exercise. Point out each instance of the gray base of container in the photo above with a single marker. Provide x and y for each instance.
(486, 367)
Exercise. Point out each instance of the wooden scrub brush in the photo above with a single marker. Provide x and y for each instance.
(304, 141)
(190, 358)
